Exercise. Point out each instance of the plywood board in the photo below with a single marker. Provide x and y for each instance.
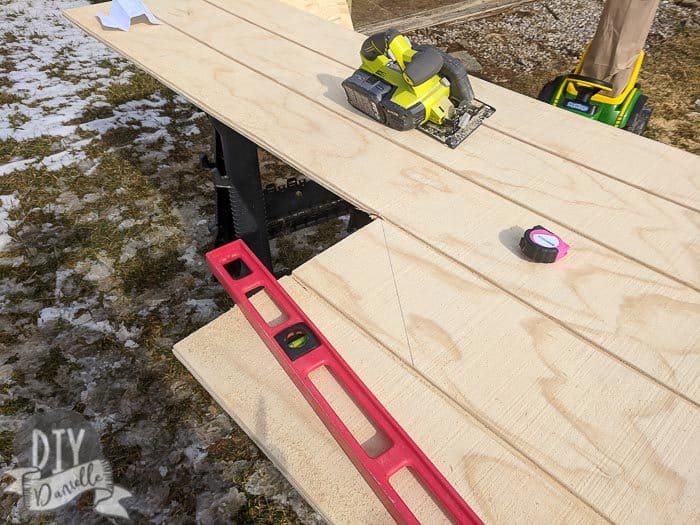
(606, 432)
(596, 206)
(228, 358)
(335, 11)
(647, 164)
(647, 320)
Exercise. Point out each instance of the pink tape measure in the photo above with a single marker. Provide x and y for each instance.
(541, 245)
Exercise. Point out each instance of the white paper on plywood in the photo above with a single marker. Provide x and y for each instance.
(123, 11)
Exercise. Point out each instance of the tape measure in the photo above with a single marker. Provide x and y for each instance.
(541, 245)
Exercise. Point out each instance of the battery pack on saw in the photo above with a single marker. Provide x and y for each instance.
(371, 95)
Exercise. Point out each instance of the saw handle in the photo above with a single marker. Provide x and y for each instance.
(378, 44)
(301, 348)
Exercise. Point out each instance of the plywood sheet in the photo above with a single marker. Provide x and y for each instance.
(646, 319)
(609, 434)
(336, 11)
(228, 358)
(594, 205)
(647, 164)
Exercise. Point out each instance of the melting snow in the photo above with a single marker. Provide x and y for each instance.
(7, 203)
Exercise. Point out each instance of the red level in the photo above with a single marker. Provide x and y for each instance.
(301, 348)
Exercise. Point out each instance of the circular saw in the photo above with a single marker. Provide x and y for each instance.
(406, 87)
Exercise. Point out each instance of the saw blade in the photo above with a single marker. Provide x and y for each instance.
(468, 118)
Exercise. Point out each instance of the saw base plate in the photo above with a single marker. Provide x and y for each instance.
(453, 135)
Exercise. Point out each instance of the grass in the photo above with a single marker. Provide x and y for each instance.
(19, 405)
(7, 64)
(51, 363)
(59, 70)
(257, 509)
(260, 510)
(27, 149)
(33, 184)
(6, 444)
(9, 38)
(93, 112)
(149, 270)
(110, 64)
(121, 457)
(122, 136)
(8, 98)
(671, 79)
(141, 85)
(117, 172)
(292, 255)
(17, 120)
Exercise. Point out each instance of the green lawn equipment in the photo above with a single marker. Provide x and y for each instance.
(591, 98)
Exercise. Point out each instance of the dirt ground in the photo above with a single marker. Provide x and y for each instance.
(533, 43)
(366, 12)
(104, 217)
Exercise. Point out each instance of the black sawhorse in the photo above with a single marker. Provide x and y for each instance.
(245, 210)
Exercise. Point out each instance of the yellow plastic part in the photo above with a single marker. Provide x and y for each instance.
(599, 97)
(623, 111)
(433, 94)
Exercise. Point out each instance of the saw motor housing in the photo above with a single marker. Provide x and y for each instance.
(405, 87)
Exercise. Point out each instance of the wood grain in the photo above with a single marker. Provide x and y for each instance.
(655, 167)
(609, 434)
(335, 11)
(499, 485)
(636, 314)
(658, 233)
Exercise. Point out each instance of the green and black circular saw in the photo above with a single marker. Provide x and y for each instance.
(407, 87)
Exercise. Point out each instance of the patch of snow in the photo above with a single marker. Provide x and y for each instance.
(78, 315)
(204, 309)
(100, 270)
(190, 130)
(191, 257)
(7, 203)
(15, 165)
(123, 334)
(61, 276)
(194, 453)
(129, 223)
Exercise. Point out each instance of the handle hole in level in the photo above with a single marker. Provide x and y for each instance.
(237, 269)
(372, 440)
(266, 306)
(417, 497)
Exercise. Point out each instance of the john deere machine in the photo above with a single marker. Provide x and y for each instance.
(406, 87)
(592, 98)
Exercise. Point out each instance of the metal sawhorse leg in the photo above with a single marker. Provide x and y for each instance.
(245, 210)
